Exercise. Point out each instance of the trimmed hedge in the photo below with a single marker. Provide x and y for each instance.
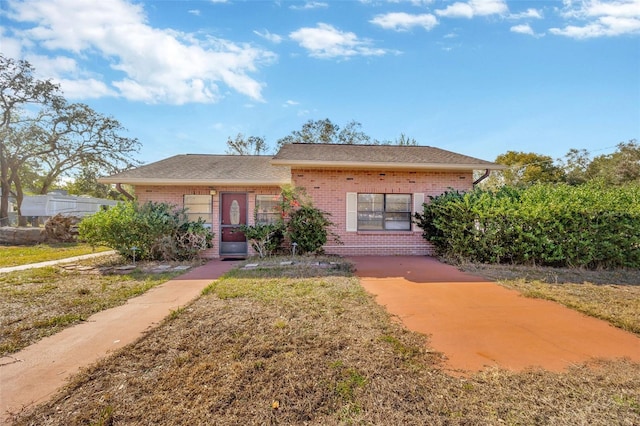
(591, 225)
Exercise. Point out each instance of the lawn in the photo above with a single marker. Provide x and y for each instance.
(40, 302)
(306, 345)
(23, 255)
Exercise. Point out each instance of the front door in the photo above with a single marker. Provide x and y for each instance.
(233, 214)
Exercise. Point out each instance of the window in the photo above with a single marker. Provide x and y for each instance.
(198, 206)
(267, 208)
(377, 212)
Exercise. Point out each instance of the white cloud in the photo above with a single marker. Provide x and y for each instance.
(413, 2)
(310, 5)
(405, 21)
(158, 66)
(195, 12)
(274, 38)
(474, 8)
(529, 13)
(89, 88)
(456, 10)
(326, 41)
(11, 47)
(522, 29)
(601, 18)
(290, 103)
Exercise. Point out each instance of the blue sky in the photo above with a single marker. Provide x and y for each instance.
(478, 77)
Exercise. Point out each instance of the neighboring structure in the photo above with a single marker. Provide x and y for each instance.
(371, 191)
(45, 206)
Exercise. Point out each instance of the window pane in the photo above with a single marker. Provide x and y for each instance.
(398, 203)
(267, 208)
(370, 202)
(398, 221)
(198, 206)
(370, 221)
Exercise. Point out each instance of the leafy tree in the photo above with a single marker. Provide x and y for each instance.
(41, 133)
(252, 145)
(324, 131)
(18, 89)
(85, 182)
(575, 166)
(404, 140)
(620, 167)
(525, 168)
(63, 138)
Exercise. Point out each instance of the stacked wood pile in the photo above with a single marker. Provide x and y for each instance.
(62, 229)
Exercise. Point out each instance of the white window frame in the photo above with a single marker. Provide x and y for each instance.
(199, 206)
(352, 211)
(271, 211)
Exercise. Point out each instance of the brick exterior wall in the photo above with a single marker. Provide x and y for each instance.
(328, 189)
(175, 195)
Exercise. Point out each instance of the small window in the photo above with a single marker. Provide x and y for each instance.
(198, 206)
(267, 208)
(379, 212)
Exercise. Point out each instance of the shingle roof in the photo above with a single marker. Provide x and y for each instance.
(199, 169)
(372, 156)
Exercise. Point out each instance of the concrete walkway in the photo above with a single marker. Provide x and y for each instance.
(476, 323)
(32, 375)
(55, 262)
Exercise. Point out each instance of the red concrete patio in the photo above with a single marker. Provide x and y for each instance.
(477, 323)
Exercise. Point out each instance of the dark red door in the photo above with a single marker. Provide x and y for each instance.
(233, 214)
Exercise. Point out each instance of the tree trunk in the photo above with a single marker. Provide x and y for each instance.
(22, 220)
(4, 189)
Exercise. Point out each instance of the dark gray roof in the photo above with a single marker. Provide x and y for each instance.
(200, 169)
(372, 156)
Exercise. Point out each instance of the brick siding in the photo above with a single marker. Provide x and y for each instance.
(328, 189)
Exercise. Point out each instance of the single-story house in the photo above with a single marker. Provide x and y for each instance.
(371, 191)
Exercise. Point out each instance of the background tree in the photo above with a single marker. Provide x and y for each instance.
(63, 138)
(324, 131)
(620, 167)
(18, 88)
(252, 145)
(404, 140)
(85, 182)
(525, 168)
(575, 166)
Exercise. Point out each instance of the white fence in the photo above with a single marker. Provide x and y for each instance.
(67, 205)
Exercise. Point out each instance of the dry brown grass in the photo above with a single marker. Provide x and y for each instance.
(36, 303)
(24, 255)
(613, 296)
(266, 347)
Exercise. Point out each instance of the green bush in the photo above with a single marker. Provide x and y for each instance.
(590, 226)
(307, 227)
(155, 231)
(299, 223)
(264, 238)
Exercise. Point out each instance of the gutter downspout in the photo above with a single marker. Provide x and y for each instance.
(124, 192)
(486, 174)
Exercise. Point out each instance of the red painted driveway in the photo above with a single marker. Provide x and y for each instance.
(477, 323)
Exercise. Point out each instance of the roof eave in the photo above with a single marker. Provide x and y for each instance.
(194, 182)
(385, 165)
